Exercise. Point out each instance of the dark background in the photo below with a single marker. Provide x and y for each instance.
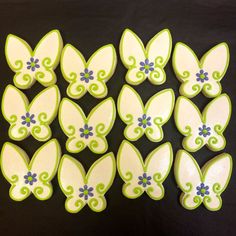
(89, 25)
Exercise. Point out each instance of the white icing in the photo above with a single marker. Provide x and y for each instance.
(187, 66)
(156, 167)
(131, 45)
(99, 178)
(101, 64)
(156, 54)
(158, 109)
(215, 175)
(47, 54)
(43, 107)
(15, 165)
(190, 121)
(72, 120)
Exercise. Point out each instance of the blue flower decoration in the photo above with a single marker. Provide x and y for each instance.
(32, 64)
(86, 75)
(204, 131)
(146, 66)
(144, 180)
(30, 178)
(202, 190)
(202, 76)
(86, 192)
(86, 131)
(144, 121)
(28, 119)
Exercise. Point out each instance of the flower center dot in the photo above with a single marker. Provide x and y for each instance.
(86, 131)
(144, 180)
(86, 75)
(203, 190)
(85, 192)
(202, 76)
(30, 178)
(27, 119)
(146, 67)
(144, 122)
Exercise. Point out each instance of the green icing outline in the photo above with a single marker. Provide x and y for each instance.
(182, 78)
(217, 128)
(157, 121)
(28, 105)
(101, 135)
(202, 174)
(45, 63)
(44, 177)
(156, 177)
(99, 187)
(73, 75)
(159, 62)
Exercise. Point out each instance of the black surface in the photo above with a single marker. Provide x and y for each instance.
(89, 25)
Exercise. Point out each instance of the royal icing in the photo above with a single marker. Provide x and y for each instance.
(146, 119)
(31, 65)
(202, 185)
(203, 128)
(30, 176)
(81, 188)
(88, 76)
(30, 118)
(144, 176)
(146, 62)
(204, 75)
(88, 131)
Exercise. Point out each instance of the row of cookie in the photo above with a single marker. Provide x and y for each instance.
(39, 64)
(198, 185)
(34, 118)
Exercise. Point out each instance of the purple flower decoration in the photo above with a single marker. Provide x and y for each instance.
(144, 180)
(30, 178)
(86, 192)
(86, 131)
(202, 190)
(146, 66)
(204, 131)
(27, 119)
(202, 76)
(144, 121)
(32, 64)
(86, 75)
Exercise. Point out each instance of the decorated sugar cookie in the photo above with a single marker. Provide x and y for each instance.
(202, 185)
(206, 128)
(204, 75)
(144, 176)
(30, 176)
(146, 119)
(30, 118)
(146, 62)
(81, 188)
(31, 65)
(88, 76)
(88, 131)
